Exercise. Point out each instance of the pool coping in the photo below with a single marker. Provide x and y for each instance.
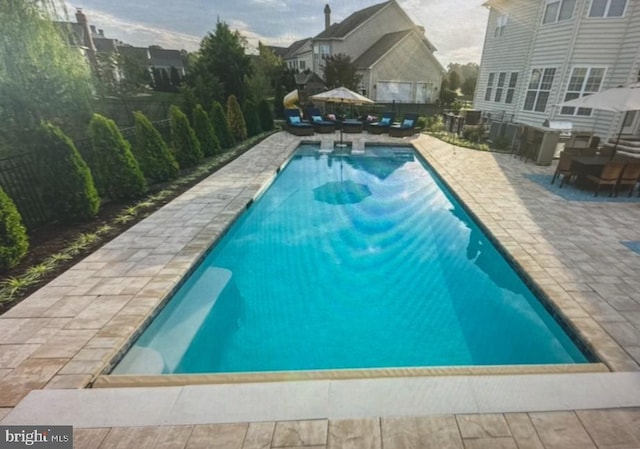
(89, 344)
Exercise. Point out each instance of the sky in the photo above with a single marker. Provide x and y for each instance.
(455, 27)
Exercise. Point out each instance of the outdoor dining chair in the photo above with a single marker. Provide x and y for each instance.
(609, 176)
(629, 177)
(564, 168)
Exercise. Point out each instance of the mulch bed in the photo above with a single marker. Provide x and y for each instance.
(53, 238)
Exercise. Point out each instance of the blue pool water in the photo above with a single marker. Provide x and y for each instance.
(351, 262)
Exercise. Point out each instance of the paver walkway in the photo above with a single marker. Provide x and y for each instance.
(603, 429)
(66, 333)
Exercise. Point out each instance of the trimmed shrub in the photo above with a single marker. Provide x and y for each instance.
(204, 132)
(236, 119)
(186, 147)
(266, 118)
(13, 235)
(221, 125)
(121, 176)
(153, 154)
(251, 119)
(69, 190)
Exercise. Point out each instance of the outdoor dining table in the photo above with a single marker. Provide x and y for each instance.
(583, 166)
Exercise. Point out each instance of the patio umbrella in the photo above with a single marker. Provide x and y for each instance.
(617, 99)
(341, 95)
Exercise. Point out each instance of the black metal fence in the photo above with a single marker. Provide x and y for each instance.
(19, 178)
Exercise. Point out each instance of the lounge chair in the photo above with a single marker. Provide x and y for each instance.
(295, 125)
(320, 125)
(406, 128)
(382, 126)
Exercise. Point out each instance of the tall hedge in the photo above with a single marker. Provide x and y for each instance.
(265, 116)
(13, 235)
(121, 174)
(221, 125)
(204, 132)
(236, 119)
(186, 147)
(156, 160)
(251, 119)
(69, 190)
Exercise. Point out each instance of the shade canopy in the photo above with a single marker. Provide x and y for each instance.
(617, 99)
(342, 95)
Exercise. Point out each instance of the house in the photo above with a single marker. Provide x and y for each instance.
(391, 52)
(540, 53)
(104, 54)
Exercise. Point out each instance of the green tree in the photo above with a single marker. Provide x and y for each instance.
(469, 86)
(251, 118)
(121, 173)
(222, 57)
(340, 71)
(183, 140)
(454, 80)
(204, 132)
(267, 70)
(264, 113)
(41, 76)
(69, 190)
(221, 125)
(156, 160)
(236, 119)
(13, 235)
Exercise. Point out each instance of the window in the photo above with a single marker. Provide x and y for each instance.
(513, 80)
(607, 8)
(538, 89)
(501, 78)
(500, 24)
(487, 95)
(303, 65)
(583, 81)
(558, 10)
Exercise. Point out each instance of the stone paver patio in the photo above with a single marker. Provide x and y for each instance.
(64, 335)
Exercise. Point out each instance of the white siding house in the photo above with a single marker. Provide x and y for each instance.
(391, 52)
(539, 53)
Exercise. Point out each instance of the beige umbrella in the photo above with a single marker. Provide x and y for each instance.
(342, 95)
(617, 99)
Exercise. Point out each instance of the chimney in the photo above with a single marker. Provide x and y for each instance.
(327, 16)
(101, 33)
(82, 20)
(93, 30)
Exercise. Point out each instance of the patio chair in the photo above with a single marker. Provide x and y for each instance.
(406, 128)
(320, 125)
(630, 176)
(564, 167)
(382, 126)
(295, 125)
(609, 176)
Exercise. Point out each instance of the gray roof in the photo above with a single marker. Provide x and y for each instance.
(278, 51)
(105, 45)
(377, 50)
(138, 54)
(165, 58)
(74, 32)
(293, 48)
(342, 29)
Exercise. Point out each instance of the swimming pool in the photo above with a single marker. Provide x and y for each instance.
(351, 261)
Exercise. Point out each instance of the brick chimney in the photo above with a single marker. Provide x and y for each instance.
(88, 41)
(327, 16)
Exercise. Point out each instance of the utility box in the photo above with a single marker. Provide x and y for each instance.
(548, 144)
